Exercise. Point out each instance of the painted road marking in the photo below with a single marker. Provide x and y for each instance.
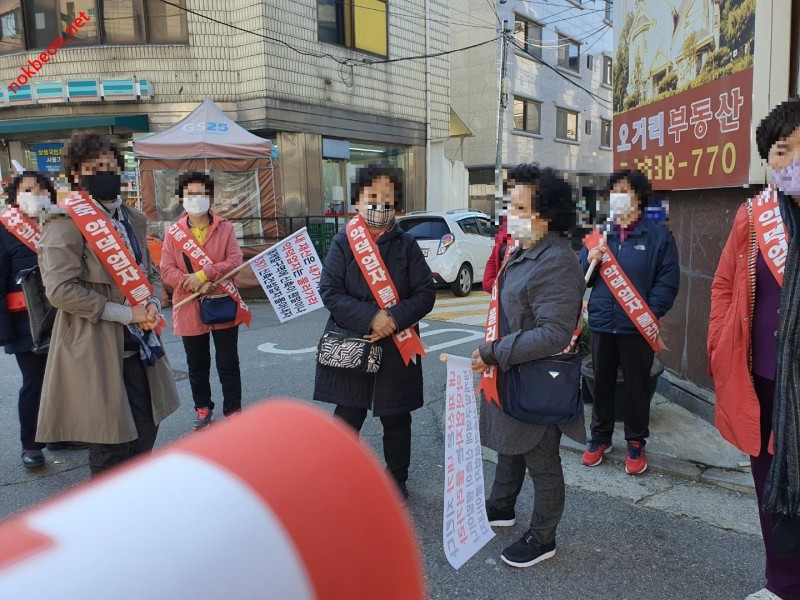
(471, 310)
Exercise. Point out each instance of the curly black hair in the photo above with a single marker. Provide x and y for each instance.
(777, 125)
(555, 201)
(195, 177)
(525, 173)
(43, 180)
(365, 176)
(639, 183)
(87, 146)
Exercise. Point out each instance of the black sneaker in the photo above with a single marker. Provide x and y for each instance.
(401, 485)
(526, 552)
(204, 416)
(500, 518)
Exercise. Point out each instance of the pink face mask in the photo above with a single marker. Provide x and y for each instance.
(788, 178)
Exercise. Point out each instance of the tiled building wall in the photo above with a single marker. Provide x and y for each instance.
(475, 85)
(232, 66)
(392, 90)
(559, 87)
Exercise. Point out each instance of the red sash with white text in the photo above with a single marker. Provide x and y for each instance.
(380, 283)
(109, 247)
(770, 231)
(488, 382)
(626, 295)
(25, 229)
(200, 260)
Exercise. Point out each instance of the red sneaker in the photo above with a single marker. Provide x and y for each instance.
(204, 416)
(593, 455)
(636, 462)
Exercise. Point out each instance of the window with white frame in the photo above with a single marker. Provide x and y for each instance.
(569, 53)
(566, 124)
(527, 115)
(529, 36)
(609, 11)
(607, 65)
(605, 133)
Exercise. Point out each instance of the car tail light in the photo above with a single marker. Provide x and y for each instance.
(446, 241)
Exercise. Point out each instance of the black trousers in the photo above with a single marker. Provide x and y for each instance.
(105, 456)
(198, 356)
(635, 356)
(396, 438)
(32, 367)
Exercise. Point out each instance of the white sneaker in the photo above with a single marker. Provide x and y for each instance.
(764, 594)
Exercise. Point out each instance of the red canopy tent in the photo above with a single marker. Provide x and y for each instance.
(247, 189)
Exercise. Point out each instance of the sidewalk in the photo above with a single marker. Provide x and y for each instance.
(681, 445)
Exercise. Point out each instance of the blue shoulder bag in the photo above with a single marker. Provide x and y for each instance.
(544, 391)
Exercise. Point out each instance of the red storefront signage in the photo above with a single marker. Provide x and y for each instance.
(699, 138)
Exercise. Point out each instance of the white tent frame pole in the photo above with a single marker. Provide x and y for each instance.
(139, 203)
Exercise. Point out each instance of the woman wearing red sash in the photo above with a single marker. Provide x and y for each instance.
(396, 390)
(217, 238)
(540, 290)
(646, 253)
(107, 380)
(33, 194)
(752, 346)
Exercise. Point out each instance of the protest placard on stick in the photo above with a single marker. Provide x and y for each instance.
(289, 273)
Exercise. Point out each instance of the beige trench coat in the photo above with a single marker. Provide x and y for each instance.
(83, 397)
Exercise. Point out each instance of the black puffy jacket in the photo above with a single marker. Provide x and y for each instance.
(396, 388)
(15, 330)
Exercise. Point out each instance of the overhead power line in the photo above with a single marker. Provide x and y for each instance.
(563, 76)
(370, 61)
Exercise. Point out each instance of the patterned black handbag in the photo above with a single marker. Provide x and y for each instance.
(347, 351)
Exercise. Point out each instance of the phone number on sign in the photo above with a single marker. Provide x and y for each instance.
(706, 161)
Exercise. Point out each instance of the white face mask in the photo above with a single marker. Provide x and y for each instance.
(196, 205)
(520, 228)
(621, 205)
(33, 205)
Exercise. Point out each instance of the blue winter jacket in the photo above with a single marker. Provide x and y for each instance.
(649, 258)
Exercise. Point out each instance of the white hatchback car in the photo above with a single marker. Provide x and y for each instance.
(456, 245)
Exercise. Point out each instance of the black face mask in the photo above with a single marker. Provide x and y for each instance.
(103, 185)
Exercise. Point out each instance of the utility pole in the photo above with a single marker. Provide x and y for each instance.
(498, 162)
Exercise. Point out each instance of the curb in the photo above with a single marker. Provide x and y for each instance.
(730, 479)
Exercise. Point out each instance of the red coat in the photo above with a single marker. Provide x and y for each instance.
(738, 413)
(221, 245)
(493, 264)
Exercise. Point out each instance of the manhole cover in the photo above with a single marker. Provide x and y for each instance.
(180, 375)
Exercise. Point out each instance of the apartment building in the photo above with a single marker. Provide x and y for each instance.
(559, 109)
(311, 75)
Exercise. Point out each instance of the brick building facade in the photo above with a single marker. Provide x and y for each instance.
(303, 81)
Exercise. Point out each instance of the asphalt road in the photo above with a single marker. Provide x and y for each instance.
(653, 538)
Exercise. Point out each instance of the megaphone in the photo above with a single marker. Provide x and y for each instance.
(282, 502)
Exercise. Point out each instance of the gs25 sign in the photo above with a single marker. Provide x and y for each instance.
(201, 126)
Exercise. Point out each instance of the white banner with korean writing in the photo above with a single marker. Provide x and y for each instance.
(289, 273)
(465, 525)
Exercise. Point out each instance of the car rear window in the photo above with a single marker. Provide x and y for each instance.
(425, 228)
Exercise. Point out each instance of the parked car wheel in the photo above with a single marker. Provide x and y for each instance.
(462, 286)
